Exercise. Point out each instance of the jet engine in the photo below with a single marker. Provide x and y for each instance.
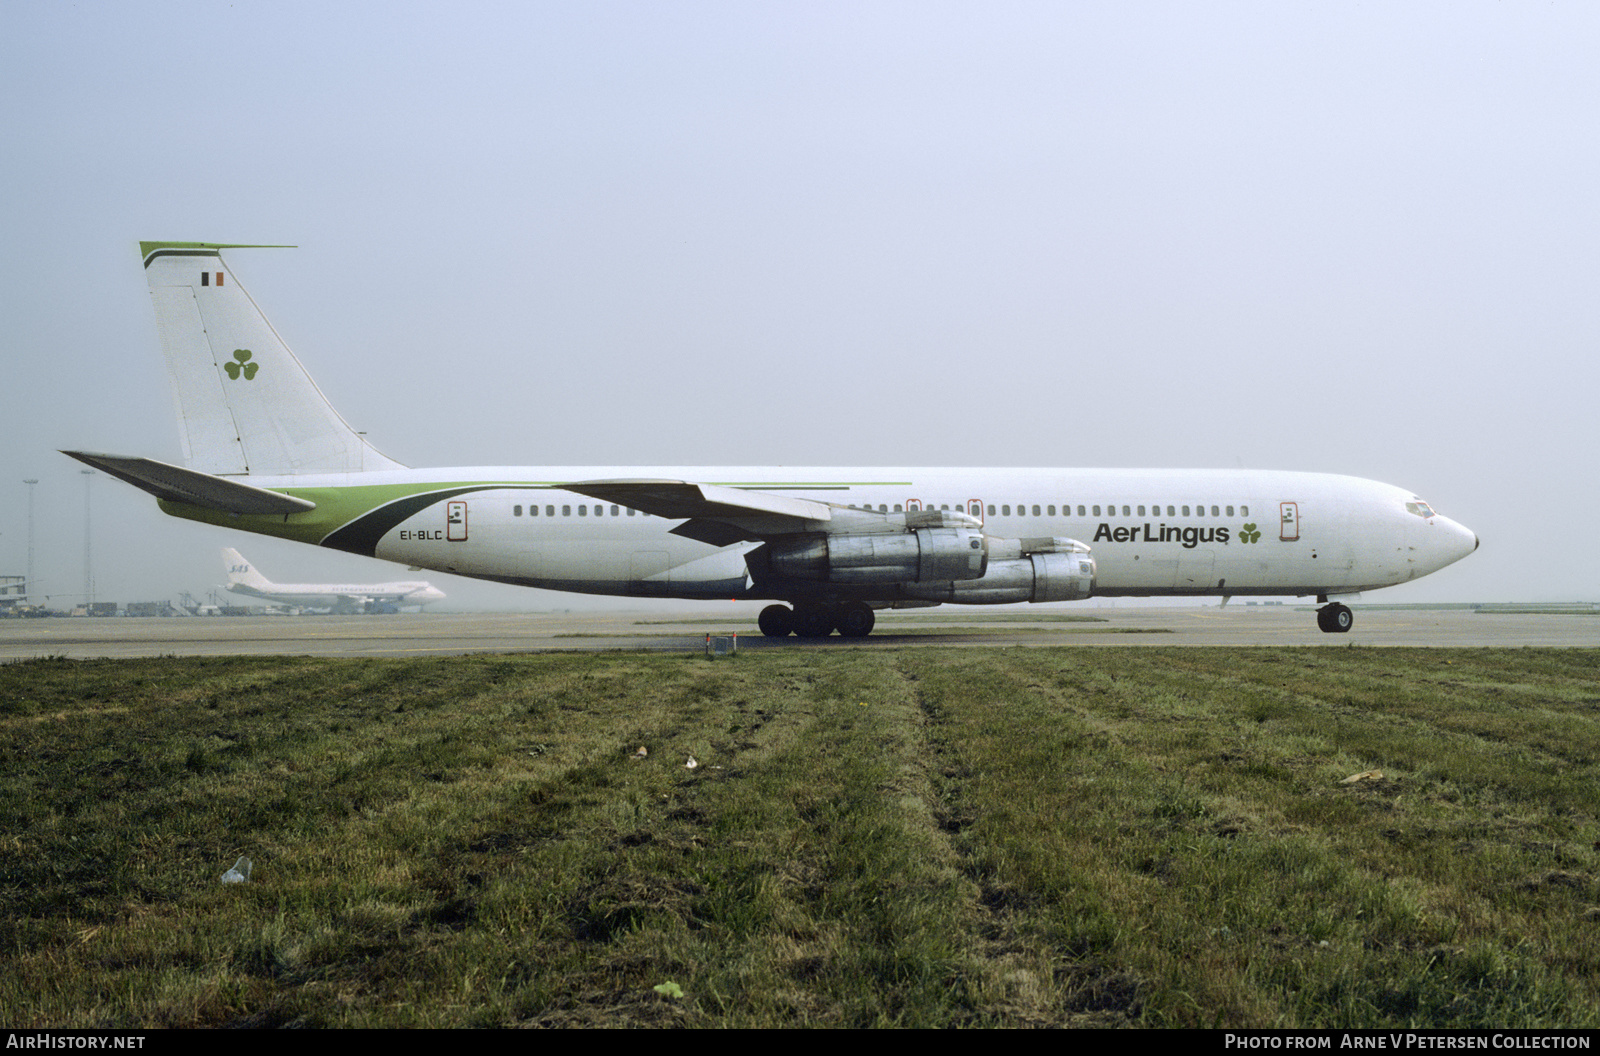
(1047, 569)
(923, 555)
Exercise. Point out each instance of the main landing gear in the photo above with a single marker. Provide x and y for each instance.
(853, 619)
(1335, 618)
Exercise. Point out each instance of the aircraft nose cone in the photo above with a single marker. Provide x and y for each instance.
(1457, 540)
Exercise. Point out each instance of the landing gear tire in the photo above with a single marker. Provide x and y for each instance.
(1335, 619)
(776, 621)
(813, 621)
(855, 620)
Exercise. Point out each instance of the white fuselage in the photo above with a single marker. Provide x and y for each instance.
(1151, 532)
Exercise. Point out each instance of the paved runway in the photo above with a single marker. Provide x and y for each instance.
(450, 633)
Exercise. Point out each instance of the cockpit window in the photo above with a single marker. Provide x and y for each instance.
(1420, 508)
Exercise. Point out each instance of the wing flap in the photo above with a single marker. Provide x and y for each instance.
(715, 533)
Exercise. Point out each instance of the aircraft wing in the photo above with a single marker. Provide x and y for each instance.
(720, 515)
(683, 498)
(713, 513)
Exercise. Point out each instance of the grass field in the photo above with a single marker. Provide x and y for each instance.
(928, 837)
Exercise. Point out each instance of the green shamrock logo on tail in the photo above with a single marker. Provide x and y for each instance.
(1248, 533)
(242, 365)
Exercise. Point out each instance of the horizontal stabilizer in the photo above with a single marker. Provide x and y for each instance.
(176, 484)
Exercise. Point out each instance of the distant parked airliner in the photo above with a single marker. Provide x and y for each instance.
(338, 597)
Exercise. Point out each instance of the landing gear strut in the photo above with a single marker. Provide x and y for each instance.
(853, 620)
(1335, 618)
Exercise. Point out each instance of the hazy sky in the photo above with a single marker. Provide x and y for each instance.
(1351, 238)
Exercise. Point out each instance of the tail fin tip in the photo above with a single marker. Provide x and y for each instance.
(150, 250)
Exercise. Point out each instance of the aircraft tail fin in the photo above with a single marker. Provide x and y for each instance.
(241, 572)
(245, 404)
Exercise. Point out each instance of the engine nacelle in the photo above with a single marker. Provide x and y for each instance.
(926, 555)
(1061, 574)
(1011, 549)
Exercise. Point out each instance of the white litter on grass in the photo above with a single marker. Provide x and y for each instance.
(239, 873)
(691, 764)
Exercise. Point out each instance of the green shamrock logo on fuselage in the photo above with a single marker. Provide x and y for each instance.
(242, 365)
(1248, 533)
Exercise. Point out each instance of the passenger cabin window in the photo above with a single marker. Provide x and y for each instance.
(516, 511)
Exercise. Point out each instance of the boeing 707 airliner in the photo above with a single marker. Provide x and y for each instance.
(264, 451)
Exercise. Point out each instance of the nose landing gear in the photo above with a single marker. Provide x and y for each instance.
(1335, 619)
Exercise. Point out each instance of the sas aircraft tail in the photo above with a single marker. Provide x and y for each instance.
(246, 407)
(241, 572)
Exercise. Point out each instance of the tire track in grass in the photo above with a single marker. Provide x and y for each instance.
(1020, 977)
